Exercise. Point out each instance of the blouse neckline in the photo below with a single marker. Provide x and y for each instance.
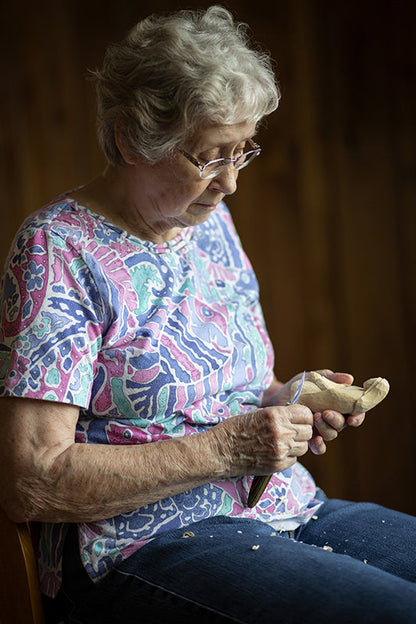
(175, 244)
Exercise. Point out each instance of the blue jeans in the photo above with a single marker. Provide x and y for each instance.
(355, 563)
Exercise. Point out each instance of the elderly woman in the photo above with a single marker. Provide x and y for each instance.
(138, 398)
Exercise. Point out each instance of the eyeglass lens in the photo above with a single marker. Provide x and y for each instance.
(216, 168)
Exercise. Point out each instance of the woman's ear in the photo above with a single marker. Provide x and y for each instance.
(128, 158)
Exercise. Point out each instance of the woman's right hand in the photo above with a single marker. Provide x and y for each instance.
(267, 440)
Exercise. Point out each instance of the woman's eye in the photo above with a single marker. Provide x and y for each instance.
(240, 149)
(217, 154)
(207, 156)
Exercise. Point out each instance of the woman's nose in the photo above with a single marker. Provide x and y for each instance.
(226, 180)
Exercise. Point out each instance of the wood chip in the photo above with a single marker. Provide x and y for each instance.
(188, 534)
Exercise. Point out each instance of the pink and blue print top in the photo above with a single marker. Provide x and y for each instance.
(151, 341)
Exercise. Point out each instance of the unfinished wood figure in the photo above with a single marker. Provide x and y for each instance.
(320, 393)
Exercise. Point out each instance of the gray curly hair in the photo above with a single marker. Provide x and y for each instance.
(172, 73)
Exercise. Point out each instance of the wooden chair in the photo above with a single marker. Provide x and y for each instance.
(20, 596)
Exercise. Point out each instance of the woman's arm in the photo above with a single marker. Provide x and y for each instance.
(51, 478)
(46, 476)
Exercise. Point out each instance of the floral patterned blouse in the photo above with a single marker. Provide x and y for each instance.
(151, 341)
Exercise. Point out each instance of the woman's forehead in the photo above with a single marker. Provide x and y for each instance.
(210, 136)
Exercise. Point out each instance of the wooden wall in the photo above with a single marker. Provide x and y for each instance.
(326, 214)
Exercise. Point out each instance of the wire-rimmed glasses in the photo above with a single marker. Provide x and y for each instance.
(213, 168)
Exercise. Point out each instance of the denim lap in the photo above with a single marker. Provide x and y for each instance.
(239, 570)
(370, 533)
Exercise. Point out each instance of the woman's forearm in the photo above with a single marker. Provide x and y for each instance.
(46, 476)
(88, 482)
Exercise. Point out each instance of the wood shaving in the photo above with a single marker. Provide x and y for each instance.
(188, 534)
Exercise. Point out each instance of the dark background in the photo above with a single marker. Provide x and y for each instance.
(327, 214)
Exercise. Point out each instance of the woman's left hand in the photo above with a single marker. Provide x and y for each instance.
(328, 423)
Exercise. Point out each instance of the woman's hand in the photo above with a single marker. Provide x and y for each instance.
(265, 441)
(328, 423)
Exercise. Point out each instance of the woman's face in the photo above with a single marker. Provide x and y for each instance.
(175, 194)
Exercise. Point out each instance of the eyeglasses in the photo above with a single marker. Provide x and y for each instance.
(213, 168)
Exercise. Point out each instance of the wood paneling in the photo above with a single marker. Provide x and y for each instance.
(327, 215)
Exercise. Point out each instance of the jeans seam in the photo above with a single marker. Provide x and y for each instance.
(173, 593)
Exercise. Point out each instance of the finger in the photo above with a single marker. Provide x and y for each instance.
(303, 433)
(317, 445)
(341, 378)
(300, 414)
(334, 419)
(327, 432)
(299, 449)
(356, 420)
(325, 372)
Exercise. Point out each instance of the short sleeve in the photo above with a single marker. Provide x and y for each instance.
(51, 320)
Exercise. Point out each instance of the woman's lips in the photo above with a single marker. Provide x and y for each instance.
(208, 207)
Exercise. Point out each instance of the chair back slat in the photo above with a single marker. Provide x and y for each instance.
(20, 597)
